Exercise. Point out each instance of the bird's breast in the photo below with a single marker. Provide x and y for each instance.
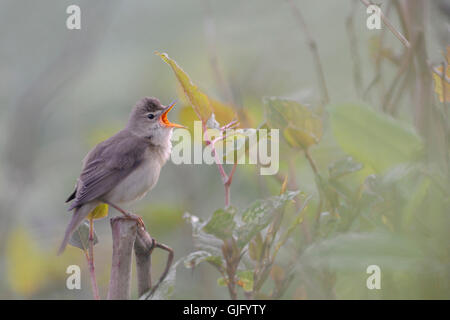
(136, 184)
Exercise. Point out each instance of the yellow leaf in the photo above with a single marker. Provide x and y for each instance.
(202, 104)
(187, 116)
(26, 264)
(437, 77)
(197, 99)
(224, 113)
(300, 126)
(99, 212)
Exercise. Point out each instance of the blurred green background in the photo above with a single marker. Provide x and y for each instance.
(62, 91)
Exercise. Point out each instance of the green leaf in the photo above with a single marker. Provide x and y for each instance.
(197, 257)
(99, 212)
(301, 127)
(202, 240)
(222, 282)
(255, 247)
(372, 137)
(258, 216)
(80, 237)
(343, 167)
(201, 103)
(221, 224)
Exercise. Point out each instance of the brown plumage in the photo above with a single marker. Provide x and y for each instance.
(123, 168)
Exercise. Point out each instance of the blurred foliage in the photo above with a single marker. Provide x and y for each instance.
(300, 126)
(373, 138)
(360, 183)
(443, 85)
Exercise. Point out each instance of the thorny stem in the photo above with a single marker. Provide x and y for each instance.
(90, 258)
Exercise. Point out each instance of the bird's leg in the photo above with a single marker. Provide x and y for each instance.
(130, 216)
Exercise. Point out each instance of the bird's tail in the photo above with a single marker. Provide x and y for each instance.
(77, 218)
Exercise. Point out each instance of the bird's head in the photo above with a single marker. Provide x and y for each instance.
(149, 120)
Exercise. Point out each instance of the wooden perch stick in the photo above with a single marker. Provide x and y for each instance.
(128, 235)
(124, 234)
(143, 247)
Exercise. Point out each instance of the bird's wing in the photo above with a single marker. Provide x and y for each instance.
(106, 165)
(72, 195)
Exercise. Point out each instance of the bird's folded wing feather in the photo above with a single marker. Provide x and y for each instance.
(106, 165)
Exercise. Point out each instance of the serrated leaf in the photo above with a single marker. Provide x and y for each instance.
(301, 127)
(203, 105)
(343, 167)
(373, 138)
(259, 214)
(221, 224)
(80, 238)
(99, 212)
(197, 98)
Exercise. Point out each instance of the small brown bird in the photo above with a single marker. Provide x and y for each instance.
(123, 168)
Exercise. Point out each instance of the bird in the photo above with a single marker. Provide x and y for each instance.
(122, 169)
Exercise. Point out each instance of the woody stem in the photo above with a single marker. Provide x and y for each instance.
(91, 260)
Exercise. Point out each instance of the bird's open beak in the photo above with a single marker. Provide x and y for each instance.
(165, 122)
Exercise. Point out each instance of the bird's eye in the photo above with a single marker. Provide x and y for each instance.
(150, 115)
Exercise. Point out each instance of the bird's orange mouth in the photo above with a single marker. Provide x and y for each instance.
(165, 122)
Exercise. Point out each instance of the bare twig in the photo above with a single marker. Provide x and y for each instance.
(90, 258)
(388, 24)
(406, 64)
(168, 263)
(143, 247)
(357, 78)
(226, 178)
(311, 161)
(315, 52)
